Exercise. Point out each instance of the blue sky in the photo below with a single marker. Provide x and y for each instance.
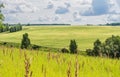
(61, 11)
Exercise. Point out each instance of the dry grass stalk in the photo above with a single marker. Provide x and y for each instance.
(11, 52)
(31, 74)
(48, 56)
(76, 69)
(28, 73)
(77, 66)
(43, 70)
(69, 70)
(64, 60)
(4, 53)
(20, 53)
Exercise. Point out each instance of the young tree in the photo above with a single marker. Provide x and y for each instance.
(73, 46)
(25, 41)
(97, 47)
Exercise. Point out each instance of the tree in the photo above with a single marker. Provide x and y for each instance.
(1, 27)
(1, 18)
(25, 41)
(89, 52)
(97, 47)
(15, 28)
(1, 15)
(73, 46)
(110, 48)
(114, 46)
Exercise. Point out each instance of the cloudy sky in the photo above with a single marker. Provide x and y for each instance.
(61, 11)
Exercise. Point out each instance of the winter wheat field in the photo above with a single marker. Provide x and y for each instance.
(30, 63)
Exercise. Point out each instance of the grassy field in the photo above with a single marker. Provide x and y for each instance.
(60, 36)
(49, 64)
(18, 63)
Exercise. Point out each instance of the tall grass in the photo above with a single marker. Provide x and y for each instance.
(25, 63)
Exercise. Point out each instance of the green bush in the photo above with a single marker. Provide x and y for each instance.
(73, 46)
(35, 47)
(25, 41)
(110, 48)
(64, 50)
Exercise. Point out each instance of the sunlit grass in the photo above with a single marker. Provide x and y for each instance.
(49, 64)
(59, 36)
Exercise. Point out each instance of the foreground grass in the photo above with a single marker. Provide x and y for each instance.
(49, 64)
(59, 36)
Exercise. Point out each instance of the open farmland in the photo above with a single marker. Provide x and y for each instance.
(60, 36)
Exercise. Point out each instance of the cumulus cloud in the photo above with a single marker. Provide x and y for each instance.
(56, 18)
(11, 17)
(43, 19)
(118, 1)
(113, 18)
(50, 5)
(64, 11)
(114, 7)
(61, 10)
(18, 6)
(87, 11)
(68, 5)
(76, 16)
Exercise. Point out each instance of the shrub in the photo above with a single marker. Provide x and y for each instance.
(25, 41)
(4, 43)
(73, 46)
(64, 50)
(110, 48)
(89, 52)
(97, 47)
(35, 47)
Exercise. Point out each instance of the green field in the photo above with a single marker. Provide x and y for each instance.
(60, 36)
(49, 64)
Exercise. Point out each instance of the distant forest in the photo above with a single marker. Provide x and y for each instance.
(39, 24)
(108, 24)
(113, 24)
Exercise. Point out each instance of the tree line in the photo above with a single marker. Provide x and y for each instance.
(4, 28)
(110, 48)
(15, 28)
(113, 24)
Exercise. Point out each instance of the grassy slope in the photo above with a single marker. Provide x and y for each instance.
(59, 36)
(56, 65)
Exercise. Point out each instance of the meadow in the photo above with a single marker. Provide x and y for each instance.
(60, 36)
(28, 63)
(16, 62)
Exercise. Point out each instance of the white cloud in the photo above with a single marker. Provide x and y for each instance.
(118, 1)
(61, 11)
(76, 16)
(113, 18)
(50, 5)
(18, 6)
